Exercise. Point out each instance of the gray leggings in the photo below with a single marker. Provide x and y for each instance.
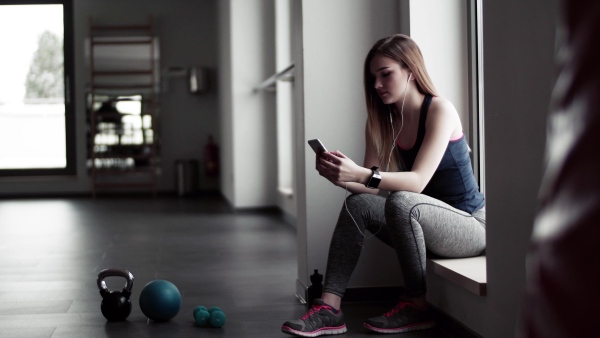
(413, 224)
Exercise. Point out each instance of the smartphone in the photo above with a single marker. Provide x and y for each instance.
(317, 146)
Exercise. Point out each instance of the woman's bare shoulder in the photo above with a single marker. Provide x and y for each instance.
(440, 105)
(442, 112)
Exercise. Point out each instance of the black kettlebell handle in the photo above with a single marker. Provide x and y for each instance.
(118, 273)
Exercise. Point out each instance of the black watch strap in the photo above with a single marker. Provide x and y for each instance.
(375, 178)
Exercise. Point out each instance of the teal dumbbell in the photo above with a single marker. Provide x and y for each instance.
(213, 309)
(198, 308)
(217, 319)
(217, 316)
(214, 316)
(201, 316)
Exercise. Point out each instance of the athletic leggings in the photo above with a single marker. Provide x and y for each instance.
(412, 224)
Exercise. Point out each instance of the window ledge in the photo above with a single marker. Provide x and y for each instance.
(286, 192)
(469, 273)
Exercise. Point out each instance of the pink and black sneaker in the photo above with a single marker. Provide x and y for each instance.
(402, 318)
(321, 319)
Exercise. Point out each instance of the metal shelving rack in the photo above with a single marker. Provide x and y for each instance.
(123, 147)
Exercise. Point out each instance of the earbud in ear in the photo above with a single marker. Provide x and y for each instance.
(409, 76)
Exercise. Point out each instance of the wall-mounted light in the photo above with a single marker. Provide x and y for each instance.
(197, 78)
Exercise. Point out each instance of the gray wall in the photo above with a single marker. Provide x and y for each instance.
(329, 99)
(188, 37)
(519, 74)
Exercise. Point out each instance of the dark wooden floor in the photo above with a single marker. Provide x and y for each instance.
(51, 251)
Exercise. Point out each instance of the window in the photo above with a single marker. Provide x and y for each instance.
(36, 109)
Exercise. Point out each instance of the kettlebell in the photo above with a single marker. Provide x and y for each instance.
(116, 305)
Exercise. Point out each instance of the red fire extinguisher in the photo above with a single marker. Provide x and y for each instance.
(211, 158)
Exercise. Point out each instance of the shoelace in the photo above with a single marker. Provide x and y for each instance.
(397, 309)
(314, 309)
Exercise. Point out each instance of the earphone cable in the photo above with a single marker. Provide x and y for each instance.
(387, 167)
(353, 220)
(401, 125)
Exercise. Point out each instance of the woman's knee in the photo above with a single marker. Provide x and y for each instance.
(359, 202)
(361, 208)
(400, 202)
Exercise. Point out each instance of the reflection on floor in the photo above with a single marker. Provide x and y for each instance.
(51, 251)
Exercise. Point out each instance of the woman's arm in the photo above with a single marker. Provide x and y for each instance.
(323, 165)
(442, 121)
(369, 161)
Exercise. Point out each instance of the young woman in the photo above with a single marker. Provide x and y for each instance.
(433, 204)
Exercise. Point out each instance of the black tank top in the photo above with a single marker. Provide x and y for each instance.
(409, 156)
(453, 181)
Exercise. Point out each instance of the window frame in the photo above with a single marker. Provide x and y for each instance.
(476, 97)
(69, 75)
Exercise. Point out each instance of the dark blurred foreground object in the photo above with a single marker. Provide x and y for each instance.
(562, 295)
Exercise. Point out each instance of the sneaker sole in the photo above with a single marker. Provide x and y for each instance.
(316, 333)
(413, 327)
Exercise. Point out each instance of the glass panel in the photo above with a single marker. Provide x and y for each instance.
(32, 109)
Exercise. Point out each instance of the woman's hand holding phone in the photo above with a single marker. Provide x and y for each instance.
(339, 168)
(334, 166)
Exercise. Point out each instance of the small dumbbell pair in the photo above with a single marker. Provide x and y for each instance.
(213, 316)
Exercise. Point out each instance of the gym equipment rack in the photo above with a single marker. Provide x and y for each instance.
(123, 146)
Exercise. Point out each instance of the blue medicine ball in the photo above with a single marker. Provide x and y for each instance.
(160, 300)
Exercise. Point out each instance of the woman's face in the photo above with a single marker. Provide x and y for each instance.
(389, 78)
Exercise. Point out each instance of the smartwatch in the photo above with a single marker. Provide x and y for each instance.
(375, 178)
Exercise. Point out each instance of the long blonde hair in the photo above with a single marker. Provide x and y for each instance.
(404, 50)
